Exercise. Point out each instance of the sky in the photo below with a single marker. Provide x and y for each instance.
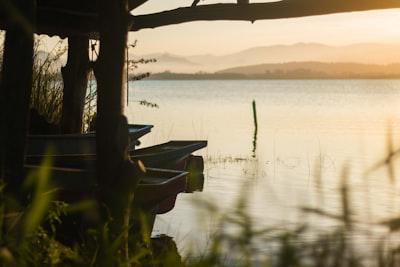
(225, 37)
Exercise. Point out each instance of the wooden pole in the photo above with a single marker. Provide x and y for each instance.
(111, 126)
(75, 77)
(255, 129)
(116, 175)
(15, 90)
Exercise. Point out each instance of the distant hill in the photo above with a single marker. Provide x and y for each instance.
(302, 70)
(294, 70)
(197, 76)
(168, 62)
(365, 53)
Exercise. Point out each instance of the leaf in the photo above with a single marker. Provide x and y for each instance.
(39, 180)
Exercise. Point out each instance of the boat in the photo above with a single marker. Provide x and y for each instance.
(77, 143)
(170, 169)
(171, 155)
(156, 185)
(155, 193)
(175, 155)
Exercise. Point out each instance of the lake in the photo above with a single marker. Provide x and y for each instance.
(313, 136)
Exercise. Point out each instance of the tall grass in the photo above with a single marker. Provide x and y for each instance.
(23, 240)
(47, 85)
(29, 237)
(47, 81)
(239, 240)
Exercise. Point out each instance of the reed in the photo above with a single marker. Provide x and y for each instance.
(47, 83)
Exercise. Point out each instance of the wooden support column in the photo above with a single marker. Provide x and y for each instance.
(109, 75)
(15, 90)
(75, 77)
(116, 175)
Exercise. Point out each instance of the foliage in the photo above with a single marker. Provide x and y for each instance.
(148, 104)
(24, 241)
(133, 64)
(47, 83)
(238, 242)
(91, 97)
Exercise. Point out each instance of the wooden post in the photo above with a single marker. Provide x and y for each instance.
(109, 75)
(255, 128)
(75, 77)
(15, 91)
(116, 175)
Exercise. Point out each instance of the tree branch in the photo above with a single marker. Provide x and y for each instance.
(258, 11)
(55, 20)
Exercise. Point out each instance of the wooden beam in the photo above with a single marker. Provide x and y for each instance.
(258, 11)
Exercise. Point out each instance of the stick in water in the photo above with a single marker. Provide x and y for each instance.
(255, 128)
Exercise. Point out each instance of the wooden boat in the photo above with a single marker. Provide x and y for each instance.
(156, 185)
(171, 155)
(77, 143)
(159, 189)
(176, 155)
(155, 194)
(74, 173)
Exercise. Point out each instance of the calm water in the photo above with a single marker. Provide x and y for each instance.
(311, 134)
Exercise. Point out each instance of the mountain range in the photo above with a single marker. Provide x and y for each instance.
(364, 53)
(316, 70)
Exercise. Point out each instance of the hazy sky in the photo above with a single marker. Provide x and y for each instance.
(224, 37)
